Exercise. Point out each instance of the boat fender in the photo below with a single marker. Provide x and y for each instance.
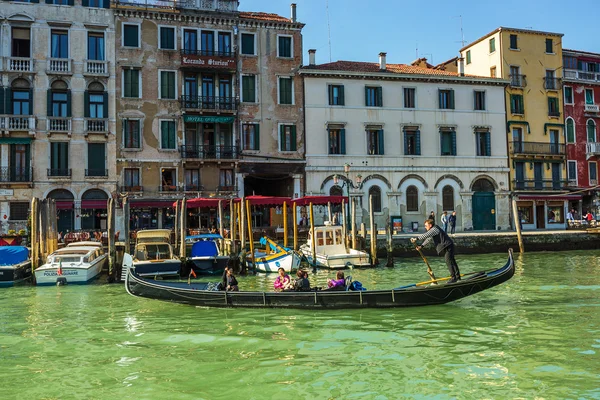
(61, 281)
(349, 265)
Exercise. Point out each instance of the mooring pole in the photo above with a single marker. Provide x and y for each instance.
(126, 224)
(518, 225)
(285, 224)
(295, 223)
(43, 227)
(373, 232)
(353, 222)
(312, 234)
(250, 235)
(177, 222)
(33, 233)
(390, 248)
(232, 223)
(221, 225)
(183, 229)
(344, 226)
(111, 238)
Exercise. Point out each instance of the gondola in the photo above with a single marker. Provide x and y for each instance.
(418, 294)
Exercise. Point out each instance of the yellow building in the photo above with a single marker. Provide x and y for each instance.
(532, 61)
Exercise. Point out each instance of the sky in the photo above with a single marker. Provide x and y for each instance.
(361, 29)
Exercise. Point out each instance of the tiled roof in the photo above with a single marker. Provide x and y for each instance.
(262, 16)
(357, 66)
(581, 52)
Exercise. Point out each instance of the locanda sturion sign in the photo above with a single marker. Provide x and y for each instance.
(207, 61)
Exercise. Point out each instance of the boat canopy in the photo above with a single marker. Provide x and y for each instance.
(203, 236)
(267, 200)
(154, 236)
(320, 200)
(13, 255)
(205, 249)
(211, 202)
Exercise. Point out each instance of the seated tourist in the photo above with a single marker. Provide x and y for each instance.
(232, 283)
(283, 281)
(338, 282)
(302, 283)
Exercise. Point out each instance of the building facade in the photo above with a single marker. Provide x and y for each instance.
(209, 105)
(581, 88)
(416, 139)
(532, 62)
(57, 113)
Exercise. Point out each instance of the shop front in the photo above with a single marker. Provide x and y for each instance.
(93, 210)
(151, 214)
(544, 212)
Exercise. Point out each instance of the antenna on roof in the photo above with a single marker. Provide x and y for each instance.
(417, 50)
(328, 29)
(462, 33)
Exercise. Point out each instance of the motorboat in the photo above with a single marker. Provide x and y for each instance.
(153, 255)
(15, 265)
(77, 263)
(330, 250)
(274, 257)
(205, 254)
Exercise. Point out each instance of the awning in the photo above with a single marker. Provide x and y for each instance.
(208, 119)
(268, 200)
(566, 197)
(211, 202)
(64, 204)
(11, 140)
(320, 200)
(93, 204)
(151, 204)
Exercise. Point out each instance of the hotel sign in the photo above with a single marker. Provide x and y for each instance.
(208, 119)
(215, 62)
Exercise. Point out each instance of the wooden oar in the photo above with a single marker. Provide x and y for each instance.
(429, 270)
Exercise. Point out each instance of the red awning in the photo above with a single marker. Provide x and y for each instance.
(93, 204)
(212, 202)
(267, 200)
(64, 204)
(151, 204)
(320, 200)
(565, 197)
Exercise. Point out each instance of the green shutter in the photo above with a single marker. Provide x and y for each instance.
(252, 89)
(405, 142)
(330, 90)
(49, 103)
(451, 99)
(366, 96)
(342, 141)
(342, 101)
(488, 144)
(96, 156)
(380, 140)
(8, 106)
(329, 141)
(293, 138)
(418, 143)
(379, 92)
(135, 83)
(453, 143)
(256, 137)
(570, 131)
(105, 3)
(54, 155)
(1, 100)
(86, 104)
(282, 138)
(71, 2)
(105, 104)
(68, 103)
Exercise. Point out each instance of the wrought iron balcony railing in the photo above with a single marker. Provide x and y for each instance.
(537, 148)
(131, 189)
(551, 83)
(518, 81)
(207, 53)
(208, 103)
(59, 172)
(193, 188)
(539, 184)
(96, 173)
(210, 152)
(168, 188)
(16, 174)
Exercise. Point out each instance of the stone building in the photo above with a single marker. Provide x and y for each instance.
(417, 139)
(208, 105)
(57, 110)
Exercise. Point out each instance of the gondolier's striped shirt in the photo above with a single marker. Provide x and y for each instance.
(440, 239)
(428, 236)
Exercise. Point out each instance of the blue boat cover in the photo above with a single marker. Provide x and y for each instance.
(205, 236)
(13, 255)
(205, 248)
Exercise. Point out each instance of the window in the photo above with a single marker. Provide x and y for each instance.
(412, 198)
(168, 179)
(248, 88)
(516, 104)
(409, 98)
(59, 44)
(131, 35)
(570, 124)
(287, 137)
(224, 43)
(513, 42)
(131, 178)
(591, 131)
(493, 72)
(448, 198)
(549, 46)
(192, 180)
(226, 179)
(19, 211)
(569, 62)
(131, 133)
(553, 110)
(251, 136)
(59, 159)
(337, 140)
(550, 82)
(60, 2)
(207, 42)
(248, 44)
(375, 195)
(96, 46)
(284, 46)
(516, 80)
(336, 95)
(468, 57)
(492, 45)
(373, 96)
(96, 159)
(572, 171)
(412, 141)
(190, 41)
(446, 99)
(448, 142)
(556, 212)
(95, 3)
(568, 95)
(21, 42)
(479, 98)
(21, 102)
(59, 104)
(483, 143)
(97, 104)
(168, 137)
(167, 38)
(286, 90)
(167, 85)
(131, 83)
(375, 144)
(593, 171)
(589, 96)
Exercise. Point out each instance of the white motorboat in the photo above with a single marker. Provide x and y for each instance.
(331, 252)
(77, 263)
(153, 255)
(277, 257)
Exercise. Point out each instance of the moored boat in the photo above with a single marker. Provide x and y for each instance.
(15, 265)
(418, 294)
(277, 257)
(77, 263)
(153, 254)
(331, 252)
(205, 254)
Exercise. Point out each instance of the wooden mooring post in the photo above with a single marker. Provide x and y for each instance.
(390, 248)
(373, 232)
(518, 225)
(312, 235)
(295, 223)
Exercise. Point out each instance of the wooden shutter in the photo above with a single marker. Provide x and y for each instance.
(8, 105)
(405, 142)
(366, 96)
(96, 156)
(1, 100)
(488, 144)
(440, 101)
(418, 142)
(329, 141)
(49, 1)
(293, 138)
(71, 2)
(54, 155)
(136, 138)
(451, 99)
(453, 143)
(343, 141)
(380, 140)
(252, 89)
(105, 105)
(256, 137)
(49, 103)
(68, 103)
(105, 3)
(379, 92)
(341, 95)
(282, 138)
(86, 104)
(330, 91)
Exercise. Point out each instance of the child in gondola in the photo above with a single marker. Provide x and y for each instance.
(338, 282)
(302, 284)
(283, 281)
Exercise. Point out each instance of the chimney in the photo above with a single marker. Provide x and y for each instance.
(293, 6)
(382, 62)
(311, 56)
(461, 66)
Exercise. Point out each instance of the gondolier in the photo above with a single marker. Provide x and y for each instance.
(443, 245)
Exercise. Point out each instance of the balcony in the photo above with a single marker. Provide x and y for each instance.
(96, 126)
(19, 64)
(59, 125)
(518, 81)
(591, 108)
(537, 148)
(554, 113)
(210, 152)
(539, 184)
(592, 149)
(131, 189)
(96, 173)
(18, 123)
(95, 68)
(573, 74)
(59, 66)
(15, 175)
(193, 188)
(59, 173)
(552, 83)
(195, 5)
(208, 60)
(227, 188)
(208, 103)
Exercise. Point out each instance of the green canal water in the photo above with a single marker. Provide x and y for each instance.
(537, 336)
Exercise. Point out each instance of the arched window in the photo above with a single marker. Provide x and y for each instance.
(483, 185)
(376, 193)
(20, 97)
(448, 198)
(591, 131)
(96, 101)
(412, 198)
(570, 130)
(59, 100)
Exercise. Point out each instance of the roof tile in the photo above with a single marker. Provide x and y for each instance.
(358, 66)
(262, 16)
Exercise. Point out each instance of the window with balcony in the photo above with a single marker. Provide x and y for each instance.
(513, 42)
(448, 198)
(284, 47)
(21, 101)
(375, 196)
(336, 95)
(192, 180)
(168, 85)
(168, 178)
(483, 143)
(593, 173)
(168, 137)
(287, 137)
(59, 44)
(225, 90)
(131, 179)
(570, 126)
(131, 83)
(446, 99)
(21, 42)
(19, 211)
(166, 39)
(286, 90)
(412, 141)
(224, 42)
(569, 62)
(373, 96)
(336, 139)
(479, 100)
(516, 79)
(249, 88)
(251, 136)
(568, 94)
(131, 35)
(190, 41)
(410, 99)
(96, 49)
(549, 46)
(248, 44)
(59, 100)
(59, 159)
(412, 198)
(96, 101)
(553, 110)
(589, 96)
(375, 142)
(448, 142)
(492, 45)
(516, 104)
(555, 146)
(96, 160)
(550, 82)
(19, 164)
(207, 43)
(95, 3)
(61, 2)
(131, 134)
(226, 180)
(591, 131)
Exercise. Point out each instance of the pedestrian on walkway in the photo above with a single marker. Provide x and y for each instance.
(444, 220)
(452, 221)
(431, 215)
(443, 245)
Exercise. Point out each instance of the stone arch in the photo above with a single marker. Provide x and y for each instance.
(21, 17)
(380, 177)
(341, 177)
(413, 177)
(449, 176)
(487, 178)
(21, 83)
(96, 86)
(59, 84)
(59, 194)
(95, 194)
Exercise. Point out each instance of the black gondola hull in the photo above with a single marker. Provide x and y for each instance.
(11, 275)
(205, 295)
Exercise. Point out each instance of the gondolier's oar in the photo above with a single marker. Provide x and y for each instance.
(429, 270)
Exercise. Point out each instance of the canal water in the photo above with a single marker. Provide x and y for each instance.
(537, 336)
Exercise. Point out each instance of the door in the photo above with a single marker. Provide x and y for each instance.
(517, 140)
(484, 211)
(538, 174)
(208, 92)
(190, 41)
(225, 93)
(208, 141)
(64, 220)
(554, 142)
(190, 91)
(540, 216)
(19, 168)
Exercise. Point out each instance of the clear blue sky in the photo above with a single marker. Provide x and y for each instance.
(360, 29)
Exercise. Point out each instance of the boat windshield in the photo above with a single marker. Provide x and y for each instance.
(157, 251)
(66, 259)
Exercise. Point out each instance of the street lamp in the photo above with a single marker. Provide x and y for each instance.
(346, 184)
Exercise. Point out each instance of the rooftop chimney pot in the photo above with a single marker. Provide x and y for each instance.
(311, 56)
(461, 66)
(293, 6)
(382, 61)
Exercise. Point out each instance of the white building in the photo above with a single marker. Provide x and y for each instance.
(418, 139)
